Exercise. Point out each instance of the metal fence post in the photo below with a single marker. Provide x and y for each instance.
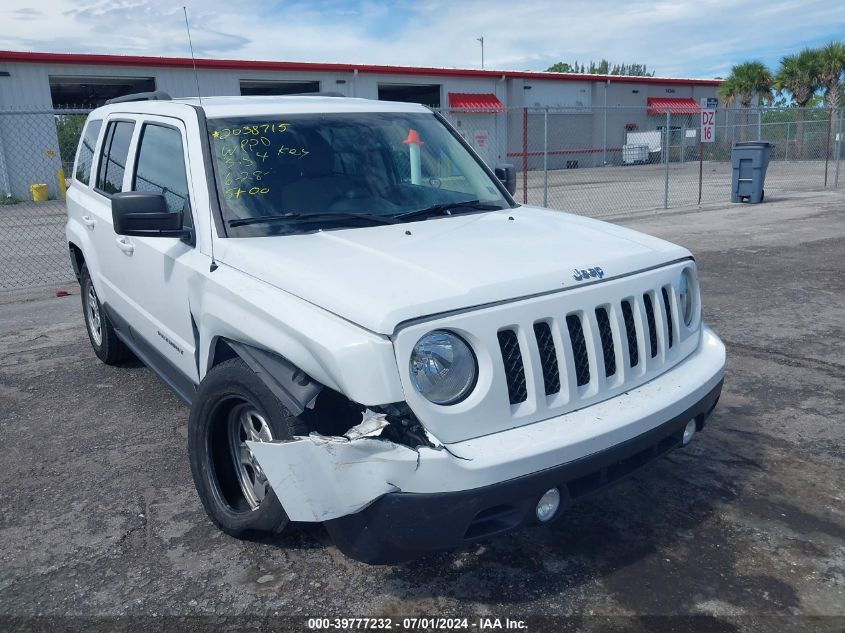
(787, 141)
(525, 155)
(7, 187)
(827, 143)
(838, 150)
(546, 157)
(604, 135)
(759, 123)
(666, 162)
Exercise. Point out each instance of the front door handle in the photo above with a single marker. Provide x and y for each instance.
(88, 221)
(125, 245)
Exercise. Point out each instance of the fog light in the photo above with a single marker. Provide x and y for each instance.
(689, 431)
(548, 504)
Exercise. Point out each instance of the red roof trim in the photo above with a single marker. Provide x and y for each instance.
(672, 105)
(237, 64)
(476, 102)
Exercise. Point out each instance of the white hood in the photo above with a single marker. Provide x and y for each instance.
(381, 276)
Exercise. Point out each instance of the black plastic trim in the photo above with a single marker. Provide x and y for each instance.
(211, 181)
(155, 95)
(293, 387)
(400, 526)
(183, 386)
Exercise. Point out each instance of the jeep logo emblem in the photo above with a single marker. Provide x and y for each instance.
(591, 273)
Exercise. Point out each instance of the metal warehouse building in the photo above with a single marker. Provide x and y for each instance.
(491, 108)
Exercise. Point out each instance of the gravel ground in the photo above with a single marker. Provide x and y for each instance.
(747, 525)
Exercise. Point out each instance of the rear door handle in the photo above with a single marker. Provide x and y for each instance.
(88, 221)
(125, 245)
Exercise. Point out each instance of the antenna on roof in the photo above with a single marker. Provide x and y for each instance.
(193, 59)
(213, 265)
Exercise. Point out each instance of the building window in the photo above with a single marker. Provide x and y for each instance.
(426, 94)
(260, 87)
(92, 92)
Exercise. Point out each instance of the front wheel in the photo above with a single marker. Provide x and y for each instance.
(233, 406)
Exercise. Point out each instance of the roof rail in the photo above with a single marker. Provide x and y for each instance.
(316, 94)
(158, 95)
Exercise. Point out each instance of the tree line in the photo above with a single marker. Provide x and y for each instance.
(604, 67)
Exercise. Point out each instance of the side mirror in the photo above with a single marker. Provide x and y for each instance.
(145, 214)
(507, 174)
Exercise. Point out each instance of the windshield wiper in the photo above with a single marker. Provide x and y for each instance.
(327, 215)
(446, 208)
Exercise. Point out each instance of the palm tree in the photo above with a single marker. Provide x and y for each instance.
(831, 69)
(746, 82)
(799, 75)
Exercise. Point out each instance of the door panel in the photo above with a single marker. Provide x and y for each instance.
(155, 273)
(107, 178)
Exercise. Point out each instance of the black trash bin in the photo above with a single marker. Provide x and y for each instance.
(750, 161)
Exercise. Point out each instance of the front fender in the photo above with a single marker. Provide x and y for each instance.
(330, 350)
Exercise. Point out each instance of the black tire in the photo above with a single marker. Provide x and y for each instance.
(227, 391)
(108, 348)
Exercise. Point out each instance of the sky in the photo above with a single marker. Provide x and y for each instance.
(680, 38)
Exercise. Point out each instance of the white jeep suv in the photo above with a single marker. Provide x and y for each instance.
(369, 331)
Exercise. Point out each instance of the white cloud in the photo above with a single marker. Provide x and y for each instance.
(675, 38)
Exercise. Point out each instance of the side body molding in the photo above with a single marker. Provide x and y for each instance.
(292, 386)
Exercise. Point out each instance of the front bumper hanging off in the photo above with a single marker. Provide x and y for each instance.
(383, 502)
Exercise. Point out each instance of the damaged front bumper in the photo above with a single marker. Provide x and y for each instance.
(384, 502)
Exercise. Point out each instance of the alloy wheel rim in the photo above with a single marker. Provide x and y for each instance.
(247, 424)
(95, 324)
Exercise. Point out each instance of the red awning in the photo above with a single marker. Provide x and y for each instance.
(659, 105)
(475, 102)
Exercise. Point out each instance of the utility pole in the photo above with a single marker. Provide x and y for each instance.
(481, 40)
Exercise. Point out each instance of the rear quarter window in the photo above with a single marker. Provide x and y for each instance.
(85, 153)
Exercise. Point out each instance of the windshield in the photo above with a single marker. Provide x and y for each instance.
(305, 172)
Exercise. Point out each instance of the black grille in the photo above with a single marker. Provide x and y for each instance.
(652, 328)
(668, 309)
(631, 333)
(579, 349)
(514, 371)
(606, 341)
(548, 357)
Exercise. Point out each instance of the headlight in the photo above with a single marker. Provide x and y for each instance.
(686, 295)
(443, 367)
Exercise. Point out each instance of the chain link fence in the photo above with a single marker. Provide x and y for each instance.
(592, 161)
(37, 149)
(614, 161)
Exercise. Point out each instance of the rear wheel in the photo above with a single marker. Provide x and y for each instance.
(108, 348)
(233, 406)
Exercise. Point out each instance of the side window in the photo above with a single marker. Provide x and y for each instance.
(113, 156)
(160, 168)
(85, 155)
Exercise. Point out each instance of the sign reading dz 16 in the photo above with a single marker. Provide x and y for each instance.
(708, 126)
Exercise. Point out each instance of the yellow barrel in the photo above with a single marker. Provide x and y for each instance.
(39, 192)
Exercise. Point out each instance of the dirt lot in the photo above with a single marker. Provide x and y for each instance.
(100, 518)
